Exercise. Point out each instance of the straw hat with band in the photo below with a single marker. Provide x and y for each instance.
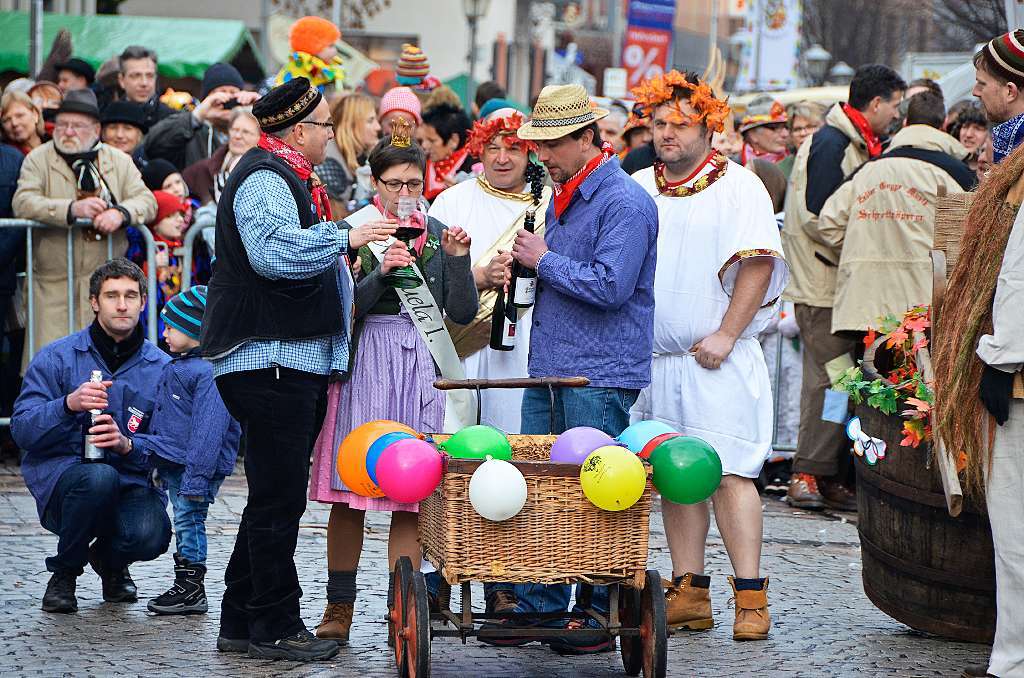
(764, 110)
(560, 110)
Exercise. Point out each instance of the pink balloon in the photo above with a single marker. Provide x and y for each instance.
(576, 444)
(409, 470)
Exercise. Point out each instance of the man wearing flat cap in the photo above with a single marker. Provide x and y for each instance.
(595, 269)
(275, 329)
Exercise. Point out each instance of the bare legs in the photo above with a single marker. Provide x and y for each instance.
(345, 538)
(739, 520)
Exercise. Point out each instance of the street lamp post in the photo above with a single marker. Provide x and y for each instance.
(841, 74)
(816, 60)
(474, 11)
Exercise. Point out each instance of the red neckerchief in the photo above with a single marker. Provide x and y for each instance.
(303, 169)
(437, 172)
(564, 192)
(748, 153)
(864, 127)
(417, 216)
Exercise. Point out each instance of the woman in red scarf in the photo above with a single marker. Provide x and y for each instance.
(443, 137)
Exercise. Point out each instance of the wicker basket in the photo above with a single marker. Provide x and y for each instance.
(558, 538)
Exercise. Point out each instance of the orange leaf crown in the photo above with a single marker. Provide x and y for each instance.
(505, 127)
(659, 90)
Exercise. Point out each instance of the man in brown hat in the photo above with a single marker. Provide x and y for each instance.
(595, 268)
(75, 176)
(274, 331)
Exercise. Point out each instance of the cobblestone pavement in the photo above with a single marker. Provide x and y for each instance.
(823, 623)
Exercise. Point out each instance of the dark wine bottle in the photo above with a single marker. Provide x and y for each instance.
(523, 286)
(503, 323)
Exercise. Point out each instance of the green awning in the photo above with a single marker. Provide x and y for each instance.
(185, 47)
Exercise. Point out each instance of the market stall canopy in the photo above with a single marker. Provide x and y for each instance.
(185, 47)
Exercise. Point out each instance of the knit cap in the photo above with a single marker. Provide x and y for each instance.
(400, 99)
(156, 171)
(312, 34)
(1008, 52)
(166, 205)
(220, 75)
(184, 311)
(412, 65)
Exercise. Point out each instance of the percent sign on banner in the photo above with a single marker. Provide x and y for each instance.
(645, 53)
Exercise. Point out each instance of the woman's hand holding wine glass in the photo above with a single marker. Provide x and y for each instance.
(397, 256)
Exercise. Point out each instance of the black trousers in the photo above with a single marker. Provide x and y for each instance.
(280, 411)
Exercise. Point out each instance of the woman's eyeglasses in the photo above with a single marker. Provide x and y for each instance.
(394, 185)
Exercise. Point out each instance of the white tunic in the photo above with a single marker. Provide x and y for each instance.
(486, 218)
(702, 238)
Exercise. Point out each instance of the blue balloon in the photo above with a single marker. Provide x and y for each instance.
(641, 433)
(377, 449)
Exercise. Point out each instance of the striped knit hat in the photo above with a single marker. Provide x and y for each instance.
(184, 311)
(412, 65)
(1007, 53)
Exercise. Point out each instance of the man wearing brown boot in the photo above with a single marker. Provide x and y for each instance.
(709, 378)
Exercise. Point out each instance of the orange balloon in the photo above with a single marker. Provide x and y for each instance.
(352, 455)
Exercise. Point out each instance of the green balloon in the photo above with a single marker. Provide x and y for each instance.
(477, 442)
(687, 470)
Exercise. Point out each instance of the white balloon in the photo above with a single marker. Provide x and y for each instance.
(497, 490)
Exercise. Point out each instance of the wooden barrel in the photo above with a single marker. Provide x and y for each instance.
(930, 571)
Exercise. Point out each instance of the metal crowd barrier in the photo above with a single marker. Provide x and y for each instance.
(72, 232)
(185, 252)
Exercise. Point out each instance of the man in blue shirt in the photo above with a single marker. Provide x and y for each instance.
(274, 331)
(113, 502)
(594, 312)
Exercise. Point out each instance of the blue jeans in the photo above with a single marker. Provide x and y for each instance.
(189, 515)
(129, 522)
(606, 409)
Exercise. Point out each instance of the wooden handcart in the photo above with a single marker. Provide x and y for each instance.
(558, 538)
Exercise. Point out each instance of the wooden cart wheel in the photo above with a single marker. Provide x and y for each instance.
(630, 647)
(416, 629)
(653, 628)
(396, 615)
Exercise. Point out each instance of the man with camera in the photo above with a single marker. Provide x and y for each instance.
(190, 136)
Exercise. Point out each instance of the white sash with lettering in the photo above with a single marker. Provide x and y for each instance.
(419, 303)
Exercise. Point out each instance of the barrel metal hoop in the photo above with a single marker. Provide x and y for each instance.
(927, 623)
(909, 492)
(925, 573)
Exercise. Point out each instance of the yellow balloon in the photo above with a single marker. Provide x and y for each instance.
(613, 478)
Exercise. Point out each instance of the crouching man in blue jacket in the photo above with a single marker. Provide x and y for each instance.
(112, 502)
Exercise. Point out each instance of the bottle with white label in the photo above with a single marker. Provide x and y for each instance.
(90, 453)
(503, 323)
(523, 287)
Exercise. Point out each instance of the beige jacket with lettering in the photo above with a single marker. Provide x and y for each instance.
(46, 187)
(880, 227)
(811, 281)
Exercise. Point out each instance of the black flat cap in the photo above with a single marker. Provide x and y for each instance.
(286, 104)
(127, 112)
(78, 67)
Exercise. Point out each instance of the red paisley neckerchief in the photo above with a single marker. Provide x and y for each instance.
(303, 169)
(748, 153)
(437, 172)
(864, 127)
(564, 192)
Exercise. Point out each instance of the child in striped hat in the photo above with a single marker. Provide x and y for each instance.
(192, 442)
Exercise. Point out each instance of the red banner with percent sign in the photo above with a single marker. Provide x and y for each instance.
(645, 53)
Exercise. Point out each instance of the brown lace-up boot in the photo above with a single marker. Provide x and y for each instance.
(688, 604)
(337, 622)
(752, 618)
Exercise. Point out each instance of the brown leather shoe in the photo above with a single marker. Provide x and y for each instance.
(337, 622)
(837, 496)
(687, 606)
(803, 492)
(752, 618)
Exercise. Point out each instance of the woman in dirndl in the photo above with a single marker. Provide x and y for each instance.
(392, 373)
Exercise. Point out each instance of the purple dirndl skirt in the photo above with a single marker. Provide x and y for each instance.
(392, 378)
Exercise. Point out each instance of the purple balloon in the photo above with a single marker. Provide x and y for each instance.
(576, 444)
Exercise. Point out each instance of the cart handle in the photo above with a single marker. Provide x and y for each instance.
(518, 382)
(551, 383)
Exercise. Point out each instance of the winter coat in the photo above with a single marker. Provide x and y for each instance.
(46, 189)
(181, 140)
(880, 225)
(821, 164)
(191, 425)
(52, 437)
